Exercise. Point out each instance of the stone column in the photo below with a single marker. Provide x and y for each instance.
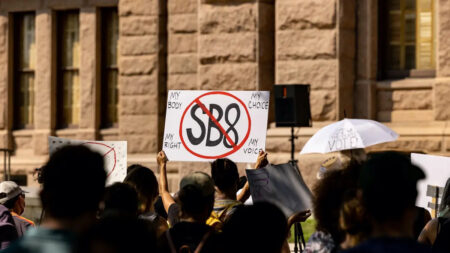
(235, 46)
(5, 87)
(366, 60)
(45, 99)
(346, 57)
(141, 74)
(441, 89)
(88, 74)
(306, 53)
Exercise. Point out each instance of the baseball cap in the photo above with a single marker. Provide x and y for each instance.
(9, 190)
(201, 181)
(389, 179)
(389, 167)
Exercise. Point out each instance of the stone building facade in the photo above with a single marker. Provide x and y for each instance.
(337, 46)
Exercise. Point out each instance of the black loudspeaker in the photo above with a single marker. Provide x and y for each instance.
(292, 107)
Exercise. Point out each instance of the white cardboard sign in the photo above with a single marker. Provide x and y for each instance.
(206, 125)
(113, 152)
(437, 171)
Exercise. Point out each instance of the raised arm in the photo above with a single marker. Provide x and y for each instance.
(166, 197)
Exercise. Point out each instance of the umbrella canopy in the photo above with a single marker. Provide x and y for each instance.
(349, 134)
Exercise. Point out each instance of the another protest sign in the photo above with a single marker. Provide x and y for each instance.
(437, 171)
(113, 152)
(281, 185)
(206, 125)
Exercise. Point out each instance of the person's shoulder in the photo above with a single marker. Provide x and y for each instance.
(15, 248)
(380, 245)
(226, 202)
(23, 220)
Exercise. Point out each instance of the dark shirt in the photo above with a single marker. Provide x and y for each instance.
(22, 224)
(153, 222)
(390, 245)
(159, 208)
(8, 232)
(184, 234)
(173, 214)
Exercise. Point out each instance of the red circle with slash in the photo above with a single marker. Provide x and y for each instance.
(236, 146)
(108, 151)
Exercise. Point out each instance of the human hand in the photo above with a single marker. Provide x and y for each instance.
(161, 158)
(261, 161)
(299, 217)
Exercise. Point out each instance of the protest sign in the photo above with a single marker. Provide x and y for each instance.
(206, 125)
(280, 185)
(113, 152)
(437, 171)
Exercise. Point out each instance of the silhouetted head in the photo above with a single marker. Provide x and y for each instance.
(73, 182)
(120, 199)
(118, 235)
(329, 194)
(132, 167)
(388, 182)
(260, 227)
(144, 181)
(196, 196)
(225, 175)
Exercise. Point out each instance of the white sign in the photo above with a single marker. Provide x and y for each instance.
(437, 171)
(113, 152)
(280, 185)
(206, 125)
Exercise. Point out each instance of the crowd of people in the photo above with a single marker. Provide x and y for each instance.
(366, 205)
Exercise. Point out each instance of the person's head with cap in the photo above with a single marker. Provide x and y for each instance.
(12, 196)
(196, 196)
(388, 182)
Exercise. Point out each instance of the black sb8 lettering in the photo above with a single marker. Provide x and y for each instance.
(207, 132)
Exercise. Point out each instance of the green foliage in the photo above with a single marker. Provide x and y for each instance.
(309, 226)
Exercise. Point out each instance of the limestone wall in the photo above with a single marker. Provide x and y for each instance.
(442, 86)
(142, 73)
(182, 44)
(306, 51)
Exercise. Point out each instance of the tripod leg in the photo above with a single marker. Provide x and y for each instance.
(301, 237)
(296, 242)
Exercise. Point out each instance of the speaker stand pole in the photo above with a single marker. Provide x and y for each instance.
(298, 231)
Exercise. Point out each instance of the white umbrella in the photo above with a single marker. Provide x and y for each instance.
(349, 134)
